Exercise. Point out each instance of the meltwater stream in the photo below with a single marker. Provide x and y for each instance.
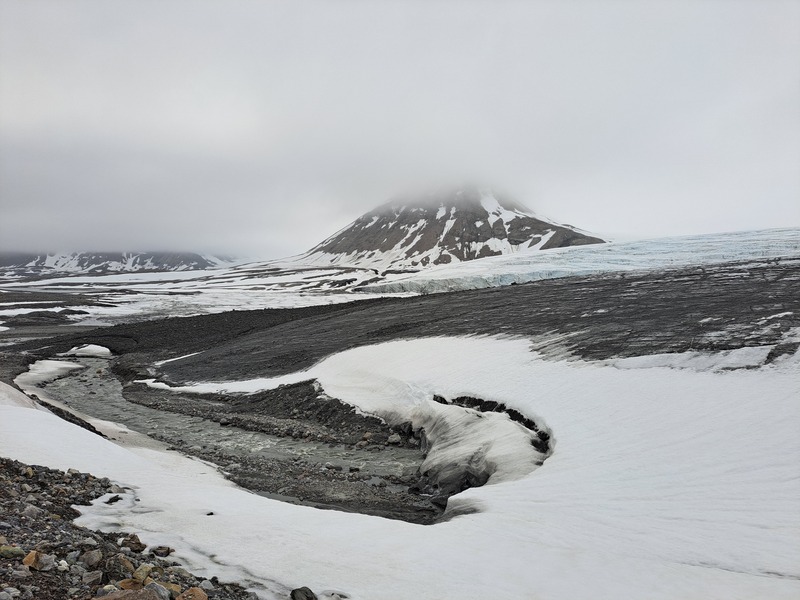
(93, 391)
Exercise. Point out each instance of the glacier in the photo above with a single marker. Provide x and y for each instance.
(612, 257)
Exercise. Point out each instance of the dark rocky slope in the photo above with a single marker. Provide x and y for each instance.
(460, 225)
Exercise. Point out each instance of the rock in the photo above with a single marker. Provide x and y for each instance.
(63, 566)
(133, 595)
(86, 542)
(91, 558)
(207, 585)
(303, 593)
(132, 541)
(119, 567)
(162, 551)
(32, 511)
(92, 577)
(39, 561)
(395, 439)
(130, 584)
(160, 590)
(11, 552)
(193, 593)
(13, 592)
(142, 572)
(174, 588)
(5, 595)
(106, 590)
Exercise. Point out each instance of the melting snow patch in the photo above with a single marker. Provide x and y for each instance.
(90, 350)
(740, 358)
(43, 371)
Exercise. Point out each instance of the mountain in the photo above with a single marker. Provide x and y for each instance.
(19, 265)
(457, 226)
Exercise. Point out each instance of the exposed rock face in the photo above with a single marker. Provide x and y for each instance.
(461, 225)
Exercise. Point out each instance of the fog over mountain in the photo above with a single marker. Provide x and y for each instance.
(261, 128)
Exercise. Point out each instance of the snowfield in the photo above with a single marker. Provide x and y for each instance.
(670, 478)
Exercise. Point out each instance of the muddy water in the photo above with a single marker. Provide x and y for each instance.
(95, 392)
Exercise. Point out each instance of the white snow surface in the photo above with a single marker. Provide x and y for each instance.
(664, 483)
(44, 371)
(92, 350)
(10, 396)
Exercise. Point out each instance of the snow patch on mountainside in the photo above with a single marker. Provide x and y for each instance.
(17, 265)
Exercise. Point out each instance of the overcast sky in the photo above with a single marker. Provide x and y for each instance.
(263, 127)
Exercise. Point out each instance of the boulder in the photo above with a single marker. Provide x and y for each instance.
(38, 561)
(11, 552)
(132, 595)
(193, 593)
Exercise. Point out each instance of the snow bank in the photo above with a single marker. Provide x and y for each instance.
(91, 350)
(43, 371)
(10, 396)
(664, 484)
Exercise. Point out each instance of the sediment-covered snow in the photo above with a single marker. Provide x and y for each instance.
(663, 483)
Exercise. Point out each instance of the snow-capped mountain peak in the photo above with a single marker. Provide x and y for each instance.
(460, 225)
(14, 265)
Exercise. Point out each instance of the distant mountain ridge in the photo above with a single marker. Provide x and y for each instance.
(17, 264)
(457, 226)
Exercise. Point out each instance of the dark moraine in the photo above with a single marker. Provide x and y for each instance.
(701, 308)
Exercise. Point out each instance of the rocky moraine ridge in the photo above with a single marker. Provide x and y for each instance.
(45, 556)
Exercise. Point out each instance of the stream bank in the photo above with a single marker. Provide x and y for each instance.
(296, 446)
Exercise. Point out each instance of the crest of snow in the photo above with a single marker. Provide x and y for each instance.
(740, 358)
(664, 484)
(10, 396)
(778, 316)
(89, 350)
(169, 360)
